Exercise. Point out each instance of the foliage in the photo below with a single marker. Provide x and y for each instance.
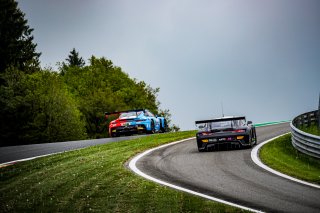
(174, 128)
(16, 42)
(46, 106)
(102, 87)
(37, 108)
(74, 59)
(167, 115)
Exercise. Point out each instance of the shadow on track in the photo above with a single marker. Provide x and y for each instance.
(225, 147)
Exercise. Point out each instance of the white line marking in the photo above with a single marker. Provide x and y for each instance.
(32, 158)
(132, 166)
(55, 153)
(256, 160)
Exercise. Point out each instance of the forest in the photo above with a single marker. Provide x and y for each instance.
(43, 105)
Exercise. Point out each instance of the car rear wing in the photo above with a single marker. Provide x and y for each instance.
(221, 119)
(119, 112)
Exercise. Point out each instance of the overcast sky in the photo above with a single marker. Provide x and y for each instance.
(260, 58)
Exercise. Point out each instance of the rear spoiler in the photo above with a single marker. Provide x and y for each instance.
(119, 112)
(220, 119)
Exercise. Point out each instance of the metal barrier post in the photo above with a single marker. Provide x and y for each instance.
(319, 114)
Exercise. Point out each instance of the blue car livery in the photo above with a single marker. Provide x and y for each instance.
(136, 122)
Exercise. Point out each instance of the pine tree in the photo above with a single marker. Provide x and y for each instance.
(16, 42)
(74, 59)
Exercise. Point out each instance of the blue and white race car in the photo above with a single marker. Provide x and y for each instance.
(136, 122)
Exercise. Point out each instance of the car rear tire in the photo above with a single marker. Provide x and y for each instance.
(200, 146)
(250, 143)
(113, 135)
(163, 126)
(152, 131)
(201, 150)
(255, 138)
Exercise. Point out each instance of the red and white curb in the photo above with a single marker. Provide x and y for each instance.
(133, 167)
(256, 160)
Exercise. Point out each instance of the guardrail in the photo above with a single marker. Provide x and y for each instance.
(302, 141)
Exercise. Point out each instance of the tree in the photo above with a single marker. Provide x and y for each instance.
(37, 108)
(102, 87)
(56, 116)
(167, 115)
(16, 42)
(74, 59)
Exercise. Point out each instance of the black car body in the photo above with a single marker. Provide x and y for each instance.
(226, 130)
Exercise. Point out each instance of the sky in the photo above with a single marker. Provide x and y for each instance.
(258, 58)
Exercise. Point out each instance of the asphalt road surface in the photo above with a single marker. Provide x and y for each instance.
(14, 153)
(231, 175)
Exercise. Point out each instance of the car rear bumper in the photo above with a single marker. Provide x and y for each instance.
(206, 142)
(133, 129)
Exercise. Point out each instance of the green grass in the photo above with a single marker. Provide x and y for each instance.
(313, 129)
(95, 179)
(280, 155)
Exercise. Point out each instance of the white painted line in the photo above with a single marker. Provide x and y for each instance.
(31, 158)
(132, 166)
(256, 160)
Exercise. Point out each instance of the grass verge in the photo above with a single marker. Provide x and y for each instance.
(280, 155)
(95, 179)
(313, 129)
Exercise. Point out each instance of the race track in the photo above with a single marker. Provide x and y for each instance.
(231, 175)
(15, 153)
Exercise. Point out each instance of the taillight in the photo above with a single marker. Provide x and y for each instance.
(239, 130)
(206, 133)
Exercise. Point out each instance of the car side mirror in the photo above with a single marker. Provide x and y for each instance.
(156, 116)
(201, 127)
(249, 123)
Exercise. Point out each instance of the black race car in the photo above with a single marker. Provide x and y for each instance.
(226, 130)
